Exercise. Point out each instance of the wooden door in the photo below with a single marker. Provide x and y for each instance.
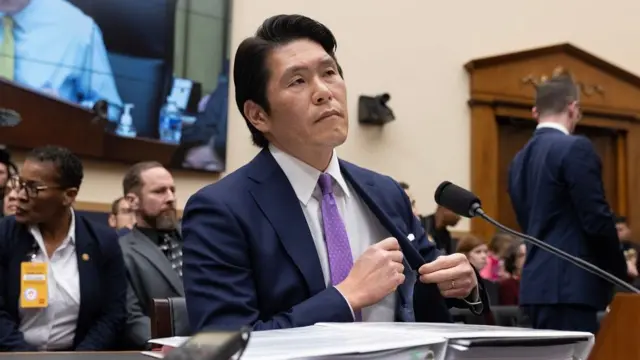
(513, 134)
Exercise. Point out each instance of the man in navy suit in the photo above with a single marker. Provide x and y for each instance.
(85, 277)
(297, 236)
(555, 184)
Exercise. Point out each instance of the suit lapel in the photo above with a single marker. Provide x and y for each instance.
(148, 250)
(364, 184)
(85, 242)
(366, 187)
(276, 198)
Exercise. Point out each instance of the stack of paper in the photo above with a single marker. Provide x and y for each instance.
(489, 342)
(410, 341)
(315, 342)
(318, 342)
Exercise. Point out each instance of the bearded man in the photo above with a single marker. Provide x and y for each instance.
(153, 249)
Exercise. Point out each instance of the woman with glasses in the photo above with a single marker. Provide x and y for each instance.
(62, 277)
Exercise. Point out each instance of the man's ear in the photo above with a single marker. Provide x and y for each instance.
(69, 196)
(134, 200)
(112, 220)
(256, 116)
(534, 112)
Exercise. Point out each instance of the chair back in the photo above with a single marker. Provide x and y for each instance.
(169, 318)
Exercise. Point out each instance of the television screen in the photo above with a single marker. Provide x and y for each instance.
(161, 66)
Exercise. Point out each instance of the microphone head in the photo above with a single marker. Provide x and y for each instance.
(461, 201)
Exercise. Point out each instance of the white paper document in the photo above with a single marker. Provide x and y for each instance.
(463, 344)
(318, 342)
(409, 341)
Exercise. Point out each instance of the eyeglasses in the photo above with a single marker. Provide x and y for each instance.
(31, 188)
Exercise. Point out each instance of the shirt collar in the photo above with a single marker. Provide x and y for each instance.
(71, 235)
(25, 15)
(552, 125)
(156, 235)
(303, 177)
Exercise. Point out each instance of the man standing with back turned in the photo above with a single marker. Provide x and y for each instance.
(297, 236)
(555, 184)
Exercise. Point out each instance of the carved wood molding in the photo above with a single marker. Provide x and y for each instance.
(585, 89)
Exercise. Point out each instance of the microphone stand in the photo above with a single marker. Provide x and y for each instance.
(585, 265)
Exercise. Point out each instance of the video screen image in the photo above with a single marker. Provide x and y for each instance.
(161, 66)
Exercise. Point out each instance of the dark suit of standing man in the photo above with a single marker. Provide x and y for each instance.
(153, 249)
(297, 236)
(555, 184)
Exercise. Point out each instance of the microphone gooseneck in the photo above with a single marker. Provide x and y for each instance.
(464, 203)
(584, 265)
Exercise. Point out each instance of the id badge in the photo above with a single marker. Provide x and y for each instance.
(33, 285)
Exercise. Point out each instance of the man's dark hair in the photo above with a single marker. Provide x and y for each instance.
(68, 165)
(132, 181)
(115, 205)
(620, 219)
(554, 95)
(250, 72)
(404, 185)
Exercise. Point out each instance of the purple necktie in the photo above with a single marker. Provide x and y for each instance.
(335, 235)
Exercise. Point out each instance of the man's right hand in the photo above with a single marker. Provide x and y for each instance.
(376, 274)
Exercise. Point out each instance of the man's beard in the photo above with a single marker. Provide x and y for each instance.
(165, 220)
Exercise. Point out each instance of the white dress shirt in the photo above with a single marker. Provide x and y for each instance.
(363, 228)
(552, 125)
(54, 327)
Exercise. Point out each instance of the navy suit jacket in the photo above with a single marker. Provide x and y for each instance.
(250, 259)
(103, 285)
(556, 190)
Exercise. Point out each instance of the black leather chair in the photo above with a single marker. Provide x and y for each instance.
(139, 36)
(169, 318)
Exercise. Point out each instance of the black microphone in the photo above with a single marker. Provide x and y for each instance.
(465, 203)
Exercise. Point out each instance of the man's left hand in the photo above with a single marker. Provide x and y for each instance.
(453, 274)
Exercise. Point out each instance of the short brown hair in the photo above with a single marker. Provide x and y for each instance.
(132, 181)
(555, 94)
(500, 243)
(115, 205)
(468, 243)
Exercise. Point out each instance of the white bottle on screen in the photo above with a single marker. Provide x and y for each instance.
(170, 124)
(125, 126)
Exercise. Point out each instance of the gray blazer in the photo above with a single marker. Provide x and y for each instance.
(150, 276)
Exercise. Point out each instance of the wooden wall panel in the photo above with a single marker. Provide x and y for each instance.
(504, 86)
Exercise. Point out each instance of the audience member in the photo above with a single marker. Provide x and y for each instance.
(437, 227)
(255, 249)
(474, 249)
(153, 249)
(499, 244)
(629, 247)
(80, 304)
(10, 200)
(7, 169)
(513, 262)
(121, 218)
